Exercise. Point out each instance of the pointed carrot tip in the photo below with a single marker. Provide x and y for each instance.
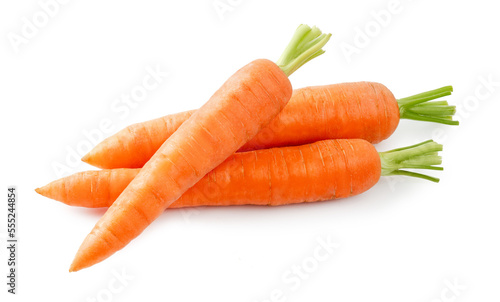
(72, 269)
(92, 251)
(75, 265)
(86, 158)
(42, 191)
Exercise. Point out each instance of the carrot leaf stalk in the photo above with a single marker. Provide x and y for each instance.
(304, 46)
(419, 156)
(417, 107)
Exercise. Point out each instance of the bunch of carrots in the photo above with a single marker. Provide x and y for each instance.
(256, 141)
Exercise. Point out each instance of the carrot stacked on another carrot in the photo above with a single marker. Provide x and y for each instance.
(323, 170)
(364, 110)
(320, 149)
(246, 102)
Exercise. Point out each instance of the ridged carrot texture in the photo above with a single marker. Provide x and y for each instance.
(246, 102)
(364, 110)
(323, 170)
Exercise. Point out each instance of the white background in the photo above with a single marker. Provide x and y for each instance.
(404, 240)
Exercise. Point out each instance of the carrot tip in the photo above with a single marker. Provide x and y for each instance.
(42, 191)
(73, 268)
(86, 157)
(93, 250)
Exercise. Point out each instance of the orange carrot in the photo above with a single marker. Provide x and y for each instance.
(246, 102)
(323, 170)
(350, 110)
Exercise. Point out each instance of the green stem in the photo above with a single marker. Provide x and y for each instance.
(419, 156)
(417, 107)
(435, 103)
(304, 46)
(434, 110)
(447, 120)
(417, 175)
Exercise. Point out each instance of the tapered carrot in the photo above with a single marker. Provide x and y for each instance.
(350, 110)
(246, 102)
(323, 170)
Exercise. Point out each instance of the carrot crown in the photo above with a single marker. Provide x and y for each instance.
(304, 46)
(419, 156)
(417, 107)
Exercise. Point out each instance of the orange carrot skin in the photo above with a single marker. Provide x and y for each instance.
(89, 189)
(323, 170)
(364, 110)
(134, 145)
(235, 113)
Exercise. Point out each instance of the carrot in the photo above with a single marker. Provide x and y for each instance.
(323, 170)
(246, 102)
(350, 110)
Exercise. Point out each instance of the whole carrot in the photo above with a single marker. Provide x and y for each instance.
(323, 170)
(246, 102)
(364, 110)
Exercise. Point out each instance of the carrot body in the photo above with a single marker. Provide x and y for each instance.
(350, 110)
(246, 102)
(323, 170)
